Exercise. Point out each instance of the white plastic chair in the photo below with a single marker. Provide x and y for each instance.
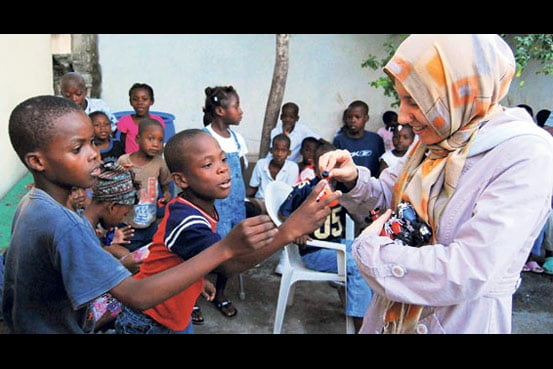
(293, 269)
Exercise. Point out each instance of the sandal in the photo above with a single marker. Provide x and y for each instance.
(197, 317)
(548, 265)
(226, 308)
(532, 266)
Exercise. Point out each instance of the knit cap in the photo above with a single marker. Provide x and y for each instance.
(115, 184)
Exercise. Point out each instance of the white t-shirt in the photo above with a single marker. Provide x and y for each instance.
(300, 132)
(229, 145)
(261, 176)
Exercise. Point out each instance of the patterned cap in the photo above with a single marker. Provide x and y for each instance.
(115, 184)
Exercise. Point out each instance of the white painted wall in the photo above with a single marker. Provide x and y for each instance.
(324, 76)
(26, 71)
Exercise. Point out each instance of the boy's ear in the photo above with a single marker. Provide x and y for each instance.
(35, 161)
(180, 179)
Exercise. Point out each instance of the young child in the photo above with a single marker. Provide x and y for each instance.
(152, 173)
(289, 126)
(306, 166)
(403, 138)
(110, 148)
(365, 147)
(275, 168)
(198, 166)
(113, 196)
(221, 111)
(73, 87)
(54, 267)
(387, 132)
(358, 292)
(141, 98)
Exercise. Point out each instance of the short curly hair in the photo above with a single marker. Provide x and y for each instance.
(32, 123)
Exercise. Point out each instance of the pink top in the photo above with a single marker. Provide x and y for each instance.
(127, 126)
(387, 136)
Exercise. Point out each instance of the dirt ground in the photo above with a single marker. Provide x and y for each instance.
(317, 308)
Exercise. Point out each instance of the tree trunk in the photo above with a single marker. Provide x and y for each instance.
(84, 48)
(277, 92)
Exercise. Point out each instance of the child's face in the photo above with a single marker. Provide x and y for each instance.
(70, 158)
(232, 115)
(78, 198)
(207, 172)
(402, 139)
(102, 127)
(308, 152)
(75, 94)
(280, 152)
(115, 215)
(356, 120)
(141, 101)
(289, 117)
(150, 141)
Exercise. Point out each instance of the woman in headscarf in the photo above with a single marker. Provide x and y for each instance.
(480, 177)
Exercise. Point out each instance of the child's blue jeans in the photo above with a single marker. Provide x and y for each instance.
(133, 322)
(358, 294)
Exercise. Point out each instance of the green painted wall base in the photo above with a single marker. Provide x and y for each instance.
(8, 204)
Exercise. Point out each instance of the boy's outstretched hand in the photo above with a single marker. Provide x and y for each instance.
(310, 215)
(250, 234)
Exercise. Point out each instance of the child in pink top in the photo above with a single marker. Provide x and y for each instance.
(141, 97)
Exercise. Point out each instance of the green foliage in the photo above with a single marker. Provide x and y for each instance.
(526, 47)
(374, 63)
(533, 46)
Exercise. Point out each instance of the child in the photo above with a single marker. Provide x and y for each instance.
(141, 98)
(113, 196)
(403, 138)
(222, 110)
(73, 87)
(289, 117)
(365, 147)
(333, 230)
(198, 166)
(306, 167)
(275, 168)
(54, 267)
(150, 170)
(110, 148)
(387, 132)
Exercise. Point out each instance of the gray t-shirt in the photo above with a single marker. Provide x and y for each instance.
(54, 268)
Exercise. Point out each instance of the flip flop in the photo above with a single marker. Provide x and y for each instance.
(532, 266)
(226, 308)
(197, 317)
(548, 265)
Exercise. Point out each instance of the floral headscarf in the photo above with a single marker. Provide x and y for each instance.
(457, 81)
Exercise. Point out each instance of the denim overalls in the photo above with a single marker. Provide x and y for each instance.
(232, 209)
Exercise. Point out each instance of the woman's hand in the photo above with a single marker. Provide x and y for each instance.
(340, 167)
(377, 225)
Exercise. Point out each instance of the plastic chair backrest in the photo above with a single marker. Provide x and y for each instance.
(275, 194)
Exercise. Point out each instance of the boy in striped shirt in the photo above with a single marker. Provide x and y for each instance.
(198, 166)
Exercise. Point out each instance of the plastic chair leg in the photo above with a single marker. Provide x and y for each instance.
(284, 290)
(350, 328)
(242, 293)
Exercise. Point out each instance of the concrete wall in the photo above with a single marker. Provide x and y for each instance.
(324, 76)
(26, 71)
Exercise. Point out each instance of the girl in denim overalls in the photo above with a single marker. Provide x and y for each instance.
(221, 110)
